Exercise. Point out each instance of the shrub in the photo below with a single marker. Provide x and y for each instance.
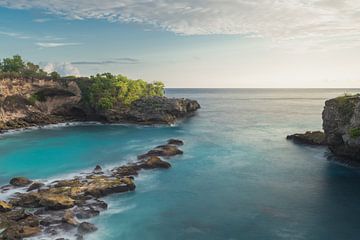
(354, 132)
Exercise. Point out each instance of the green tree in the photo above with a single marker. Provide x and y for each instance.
(14, 64)
(55, 75)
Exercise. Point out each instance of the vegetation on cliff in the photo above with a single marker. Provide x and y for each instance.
(102, 91)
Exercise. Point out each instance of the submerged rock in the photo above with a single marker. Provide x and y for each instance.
(310, 138)
(86, 228)
(20, 181)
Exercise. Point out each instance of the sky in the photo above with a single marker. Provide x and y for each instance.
(191, 43)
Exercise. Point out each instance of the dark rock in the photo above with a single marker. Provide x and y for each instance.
(20, 181)
(341, 124)
(310, 138)
(86, 228)
(123, 171)
(175, 142)
(97, 169)
(35, 186)
(162, 151)
(154, 162)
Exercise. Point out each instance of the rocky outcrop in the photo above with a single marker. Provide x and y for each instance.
(341, 124)
(62, 205)
(30, 102)
(309, 138)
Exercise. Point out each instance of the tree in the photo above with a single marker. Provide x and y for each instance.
(55, 75)
(14, 64)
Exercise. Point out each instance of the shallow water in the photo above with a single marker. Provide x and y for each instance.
(238, 178)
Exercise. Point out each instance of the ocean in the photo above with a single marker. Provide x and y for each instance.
(239, 177)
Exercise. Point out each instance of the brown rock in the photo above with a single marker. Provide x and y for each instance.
(20, 181)
(310, 138)
(154, 162)
(69, 218)
(5, 207)
(162, 151)
(175, 142)
(35, 185)
(56, 201)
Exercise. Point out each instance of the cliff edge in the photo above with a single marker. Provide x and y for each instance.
(341, 124)
(35, 102)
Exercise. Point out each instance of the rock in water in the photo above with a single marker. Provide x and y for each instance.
(310, 138)
(85, 228)
(56, 201)
(175, 142)
(162, 151)
(35, 186)
(341, 124)
(97, 169)
(20, 181)
(154, 162)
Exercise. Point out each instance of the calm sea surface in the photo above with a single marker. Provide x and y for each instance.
(238, 178)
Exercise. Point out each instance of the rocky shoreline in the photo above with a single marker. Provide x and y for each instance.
(341, 124)
(63, 101)
(65, 205)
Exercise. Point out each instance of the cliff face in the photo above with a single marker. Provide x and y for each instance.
(341, 124)
(29, 102)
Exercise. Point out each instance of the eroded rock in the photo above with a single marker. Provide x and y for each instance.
(20, 181)
(310, 138)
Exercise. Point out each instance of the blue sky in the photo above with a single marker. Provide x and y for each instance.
(188, 43)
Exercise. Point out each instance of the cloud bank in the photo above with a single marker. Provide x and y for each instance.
(324, 21)
(64, 69)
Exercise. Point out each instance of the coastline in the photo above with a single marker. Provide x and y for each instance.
(50, 208)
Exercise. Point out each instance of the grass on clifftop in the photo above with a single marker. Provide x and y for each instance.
(346, 105)
(101, 91)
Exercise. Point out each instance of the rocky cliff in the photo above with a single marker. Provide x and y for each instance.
(32, 102)
(341, 124)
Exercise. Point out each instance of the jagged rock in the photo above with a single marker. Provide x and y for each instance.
(86, 228)
(20, 181)
(5, 207)
(97, 169)
(175, 142)
(310, 138)
(341, 124)
(123, 171)
(154, 162)
(35, 186)
(69, 218)
(103, 186)
(56, 202)
(19, 232)
(162, 151)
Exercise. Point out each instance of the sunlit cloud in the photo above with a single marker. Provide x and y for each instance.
(64, 69)
(55, 44)
(283, 20)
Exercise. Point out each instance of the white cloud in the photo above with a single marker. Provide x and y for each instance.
(64, 69)
(55, 44)
(15, 35)
(308, 21)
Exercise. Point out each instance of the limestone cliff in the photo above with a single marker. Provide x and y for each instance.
(341, 124)
(33, 102)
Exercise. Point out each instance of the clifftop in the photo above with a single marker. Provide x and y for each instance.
(30, 102)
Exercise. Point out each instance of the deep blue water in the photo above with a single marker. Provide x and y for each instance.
(238, 178)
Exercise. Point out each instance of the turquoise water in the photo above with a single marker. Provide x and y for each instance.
(238, 179)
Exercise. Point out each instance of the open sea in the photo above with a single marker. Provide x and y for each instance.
(239, 178)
